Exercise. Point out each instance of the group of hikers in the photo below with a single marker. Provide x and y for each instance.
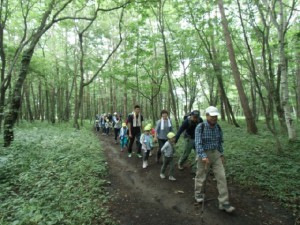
(205, 137)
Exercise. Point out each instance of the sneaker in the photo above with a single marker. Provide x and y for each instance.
(121, 150)
(172, 178)
(129, 155)
(162, 176)
(145, 164)
(199, 198)
(180, 167)
(227, 207)
(150, 154)
(139, 155)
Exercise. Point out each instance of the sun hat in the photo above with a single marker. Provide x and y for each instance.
(123, 124)
(170, 135)
(212, 111)
(148, 127)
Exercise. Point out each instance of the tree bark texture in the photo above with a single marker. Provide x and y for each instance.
(251, 125)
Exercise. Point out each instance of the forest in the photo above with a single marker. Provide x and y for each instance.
(64, 62)
(70, 60)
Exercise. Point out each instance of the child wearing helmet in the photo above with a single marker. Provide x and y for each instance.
(123, 136)
(147, 144)
(168, 151)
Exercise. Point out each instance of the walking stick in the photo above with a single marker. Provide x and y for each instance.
(207, 170)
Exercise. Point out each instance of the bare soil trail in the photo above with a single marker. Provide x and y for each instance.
(141, 197)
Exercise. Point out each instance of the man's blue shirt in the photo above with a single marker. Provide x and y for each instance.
(210, 139)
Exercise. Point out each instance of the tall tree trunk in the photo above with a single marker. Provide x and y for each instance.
(53, 105)
(27, 100)
(111, 97)
(270, 125)
(15, 99)
(217, 66)
(34, 101)
(281, 25)
(125, 98)
(251, 125)
(298, 78)
(41, 109)
(272, 83)
(47, 95)
(4, 83)
(167, 64)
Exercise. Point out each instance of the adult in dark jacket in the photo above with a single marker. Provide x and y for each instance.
(135, 120)
(188, 125)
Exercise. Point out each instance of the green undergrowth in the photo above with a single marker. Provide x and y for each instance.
(254, 162)
(53, 175)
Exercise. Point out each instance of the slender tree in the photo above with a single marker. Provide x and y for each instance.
(251, 125)
(282, 25)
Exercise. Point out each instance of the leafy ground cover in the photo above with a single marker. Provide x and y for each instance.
(254, 162)
(53, 175)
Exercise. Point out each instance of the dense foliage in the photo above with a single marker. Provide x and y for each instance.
(53, 175)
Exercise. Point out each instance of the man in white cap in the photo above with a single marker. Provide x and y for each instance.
(208, 143)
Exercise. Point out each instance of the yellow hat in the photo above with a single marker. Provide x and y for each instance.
(170, 135)
(148, 127)
(123, 124)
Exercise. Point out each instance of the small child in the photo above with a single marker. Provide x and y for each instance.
(168, 151)
(107, 125)
(123, 136)
(147, 144)
(97, 125)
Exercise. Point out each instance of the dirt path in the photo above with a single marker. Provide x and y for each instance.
(141, 197)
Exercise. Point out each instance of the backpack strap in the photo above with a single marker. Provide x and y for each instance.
(203, 126)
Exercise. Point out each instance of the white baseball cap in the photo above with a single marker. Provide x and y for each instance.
(212, 111)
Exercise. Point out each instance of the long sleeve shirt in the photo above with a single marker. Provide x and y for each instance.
(168, 149)
(208, 138)
(189, 127)
(147, 141)
(123, 132)
(162, 134)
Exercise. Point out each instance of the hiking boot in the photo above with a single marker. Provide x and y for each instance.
(172, 178)
(145, 164)
(139, 155)
(227, 207)
(180, 167)
(162, 176)
(129, 155)
(199, 198)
